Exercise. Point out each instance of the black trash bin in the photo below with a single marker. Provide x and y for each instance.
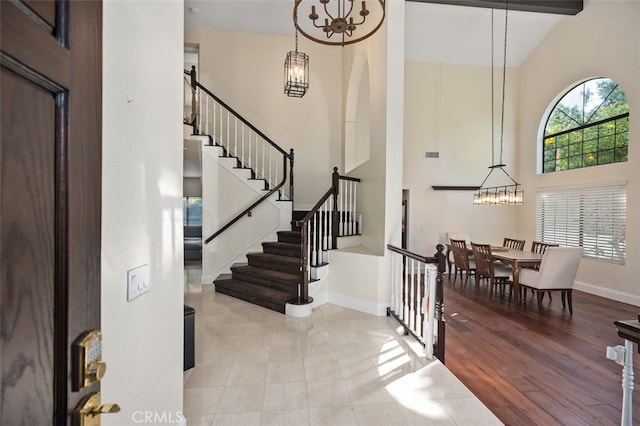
(189, 337)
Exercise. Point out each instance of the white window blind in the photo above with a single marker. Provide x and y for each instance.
(593, 218)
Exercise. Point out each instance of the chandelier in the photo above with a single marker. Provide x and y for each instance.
(509, 193)
(296, 73)
(339, 22)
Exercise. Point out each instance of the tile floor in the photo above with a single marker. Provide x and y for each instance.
(337, 367)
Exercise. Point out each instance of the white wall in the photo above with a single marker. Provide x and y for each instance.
(228, 191)
(602, 40)
(142, 207)
(359, 277)
(448, 110)
(246, 71)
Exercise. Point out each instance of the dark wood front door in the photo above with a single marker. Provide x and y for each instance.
(50, 201)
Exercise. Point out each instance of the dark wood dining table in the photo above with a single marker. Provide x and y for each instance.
(517, 259)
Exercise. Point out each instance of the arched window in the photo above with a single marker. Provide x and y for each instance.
(588, 126)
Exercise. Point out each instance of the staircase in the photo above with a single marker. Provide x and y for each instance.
(270, 278)
(238, 152)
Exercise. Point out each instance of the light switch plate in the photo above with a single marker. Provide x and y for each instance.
(137, 281)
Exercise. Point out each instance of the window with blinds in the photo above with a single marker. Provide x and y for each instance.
(593, 218)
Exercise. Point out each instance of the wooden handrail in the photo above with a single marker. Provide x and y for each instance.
(250, 208)
(238, 116)
(287, 156)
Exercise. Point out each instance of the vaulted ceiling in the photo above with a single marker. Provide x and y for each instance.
(442, 31)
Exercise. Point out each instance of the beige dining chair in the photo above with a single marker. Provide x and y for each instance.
(496, 273)
(461, 260)
(513, 244)
(557, 272)
(540, 247)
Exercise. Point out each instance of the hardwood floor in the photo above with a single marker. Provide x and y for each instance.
(533, 368)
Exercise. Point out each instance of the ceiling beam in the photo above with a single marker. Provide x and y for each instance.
(560, 7)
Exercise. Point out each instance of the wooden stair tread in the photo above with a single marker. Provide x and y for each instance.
(267, 274)
(266, 297)
(275, 258)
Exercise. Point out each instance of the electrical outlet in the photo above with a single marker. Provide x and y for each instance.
(137, 281)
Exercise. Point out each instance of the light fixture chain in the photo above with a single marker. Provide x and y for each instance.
(493, 138)
(504, 78)
(296, 40)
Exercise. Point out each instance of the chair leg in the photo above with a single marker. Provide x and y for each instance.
(563, 296)
(539, 294)
(569, 301)
(455, 274)
(466, 278)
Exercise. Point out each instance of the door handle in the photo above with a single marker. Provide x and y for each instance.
(88, 410)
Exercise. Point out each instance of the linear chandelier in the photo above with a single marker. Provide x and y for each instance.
(339, 22)
(504, 194)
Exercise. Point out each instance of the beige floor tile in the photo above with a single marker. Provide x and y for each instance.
(285, 372)
(237, 419)
(298, 417)
(322, 369)
(379, 415)
(201, 401)
(469, 412)
(337, 367)
(328, 394)
(336, 416)
(208, 376)
(245, 374)
(368, 391)
(241, 398)
(287, 353)
(283, 396)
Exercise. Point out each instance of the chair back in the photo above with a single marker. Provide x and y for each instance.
(513, 244)
(484, 259)
(540, 247)
(559, 267)
(460, 253)
(459, 236)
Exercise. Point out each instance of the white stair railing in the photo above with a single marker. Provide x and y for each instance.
(416, 297)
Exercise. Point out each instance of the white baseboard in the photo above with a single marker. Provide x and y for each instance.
(608, 293)
(372, 308)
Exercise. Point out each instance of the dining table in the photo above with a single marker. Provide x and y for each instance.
(517, 259)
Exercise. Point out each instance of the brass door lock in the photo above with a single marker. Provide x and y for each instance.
(88, 411)
(88, 365)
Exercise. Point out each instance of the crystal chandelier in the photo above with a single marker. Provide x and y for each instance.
(339, 22)
(505, 194)
(296, 73)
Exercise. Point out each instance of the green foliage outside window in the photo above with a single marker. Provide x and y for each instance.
(589, 126)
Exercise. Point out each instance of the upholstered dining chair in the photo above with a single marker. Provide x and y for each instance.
(513, 244)
(486, 268)
(557, 272)
(461, 260)
(540, 247)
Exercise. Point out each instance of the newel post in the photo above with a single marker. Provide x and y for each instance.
(335, 224)
(291, 174)
(439, 304)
